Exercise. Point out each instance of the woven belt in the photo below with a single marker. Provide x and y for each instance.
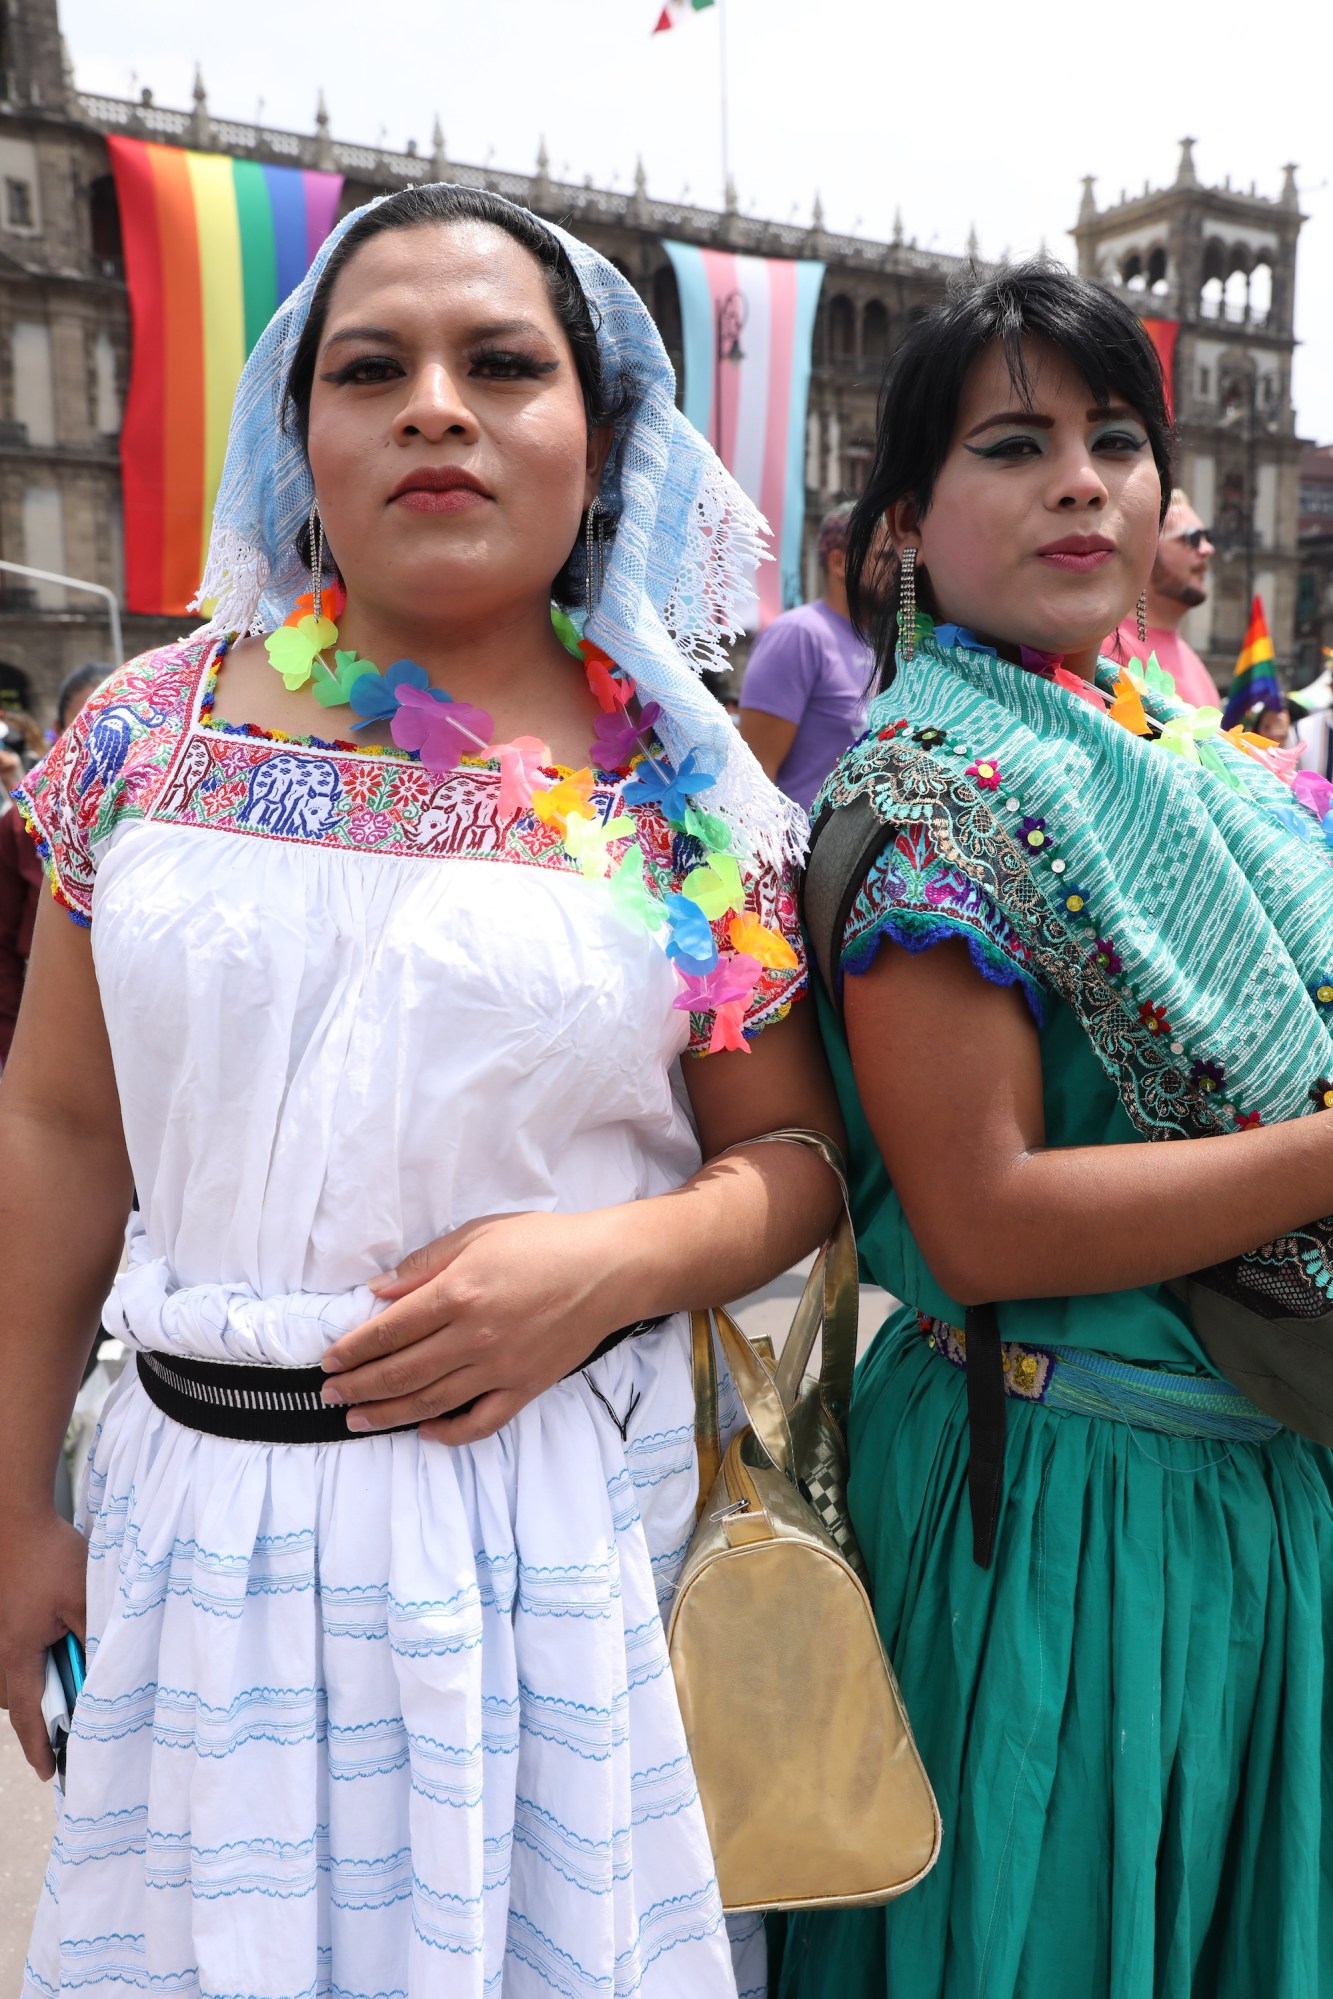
(1090, 1384)
(279, 1405)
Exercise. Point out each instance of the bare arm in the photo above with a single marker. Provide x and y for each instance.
(949, 1072)
(64, 1195)
(495, 1312)
(769, 737)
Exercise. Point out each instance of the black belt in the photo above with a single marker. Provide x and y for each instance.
(279, 1405)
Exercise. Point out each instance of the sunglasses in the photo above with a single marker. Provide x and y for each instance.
(1192, 537)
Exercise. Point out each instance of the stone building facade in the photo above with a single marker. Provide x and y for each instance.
(65, 326)
(1314, 582)
(65, 331)
(1222, 263)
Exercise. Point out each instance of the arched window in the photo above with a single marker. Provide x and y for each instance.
(1210, 298)
(1235, 293)
(1261, 293)
(875, 331)
(856, 462)
(1157, 267)
(666, 308)
(1131, 273)
(104, 222)
(841, 327)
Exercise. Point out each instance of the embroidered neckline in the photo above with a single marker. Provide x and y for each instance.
(151, 749)
(204, 717)
(600, 840)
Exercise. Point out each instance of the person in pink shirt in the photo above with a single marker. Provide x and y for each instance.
(1178, 583)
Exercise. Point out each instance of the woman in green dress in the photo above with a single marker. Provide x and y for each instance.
(1112, 1643)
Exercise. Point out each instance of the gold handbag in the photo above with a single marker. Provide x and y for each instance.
(812, 1789)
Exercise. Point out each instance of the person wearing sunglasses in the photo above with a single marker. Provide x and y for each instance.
(1179, 583)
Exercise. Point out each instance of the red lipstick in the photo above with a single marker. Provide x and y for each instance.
(439, 489)
(1078, 552)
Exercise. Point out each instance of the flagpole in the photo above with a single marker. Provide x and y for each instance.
(722, 89)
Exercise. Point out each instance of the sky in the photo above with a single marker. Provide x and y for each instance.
(960, 116)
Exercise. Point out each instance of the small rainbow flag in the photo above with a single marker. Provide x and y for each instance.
(1255, 679)
(212, 247)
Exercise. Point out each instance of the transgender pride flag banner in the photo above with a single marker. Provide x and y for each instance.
(747, 324)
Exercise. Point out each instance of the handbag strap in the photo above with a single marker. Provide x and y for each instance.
(986, 1420)
(707, 1438)
(754, 1385)
(829, 1302)
(845, 843)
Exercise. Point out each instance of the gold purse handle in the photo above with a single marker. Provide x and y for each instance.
(755, 1386)
(830, 1303)
(831, 1300)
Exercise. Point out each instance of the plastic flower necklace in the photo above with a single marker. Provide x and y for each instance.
(430, 725)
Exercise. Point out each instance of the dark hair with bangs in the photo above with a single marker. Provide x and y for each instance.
(923, 388)
(417, 208)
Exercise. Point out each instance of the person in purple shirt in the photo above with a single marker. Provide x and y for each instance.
(804, 696)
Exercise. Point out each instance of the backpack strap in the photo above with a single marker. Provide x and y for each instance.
(846, 842)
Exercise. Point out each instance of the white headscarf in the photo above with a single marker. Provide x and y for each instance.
(677, 579)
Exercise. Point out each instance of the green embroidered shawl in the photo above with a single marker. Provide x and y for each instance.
(1185, 913)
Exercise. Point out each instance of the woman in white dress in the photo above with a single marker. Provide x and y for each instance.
(408, 1016)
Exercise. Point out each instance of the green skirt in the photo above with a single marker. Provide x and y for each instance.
(1124, 1718)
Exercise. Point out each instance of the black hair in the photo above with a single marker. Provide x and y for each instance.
(923, 389)
(416, 208)
(1271, 704)
(89, 676)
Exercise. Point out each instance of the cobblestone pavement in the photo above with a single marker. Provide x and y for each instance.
(26, 1805)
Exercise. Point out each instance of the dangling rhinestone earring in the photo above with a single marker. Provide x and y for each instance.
(594, 553)
(907, 602)
(1143, 617)
(315, 533)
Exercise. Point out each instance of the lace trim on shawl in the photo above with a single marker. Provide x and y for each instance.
(712, 592)
(233, 583)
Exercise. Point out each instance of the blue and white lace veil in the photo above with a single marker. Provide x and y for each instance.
(678, 577)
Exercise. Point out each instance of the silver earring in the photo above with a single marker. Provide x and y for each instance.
(1143, 617)
(594, 554)
(315, 532)
(907, 602)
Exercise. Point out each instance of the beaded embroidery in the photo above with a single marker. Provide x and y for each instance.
(913, 896)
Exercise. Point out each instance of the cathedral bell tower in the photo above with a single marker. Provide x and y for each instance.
(32, 70)
(1218, 265)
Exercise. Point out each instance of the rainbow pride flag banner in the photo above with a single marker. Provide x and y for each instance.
(1255, 678)
(747, 325)
(212, 247)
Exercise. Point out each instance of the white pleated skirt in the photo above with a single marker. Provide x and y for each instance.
(387, 1719)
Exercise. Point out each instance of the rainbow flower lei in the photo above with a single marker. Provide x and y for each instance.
(425, 721)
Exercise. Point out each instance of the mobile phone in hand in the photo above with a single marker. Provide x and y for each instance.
(64, 1682)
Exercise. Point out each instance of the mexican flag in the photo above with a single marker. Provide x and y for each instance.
(678, 10)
